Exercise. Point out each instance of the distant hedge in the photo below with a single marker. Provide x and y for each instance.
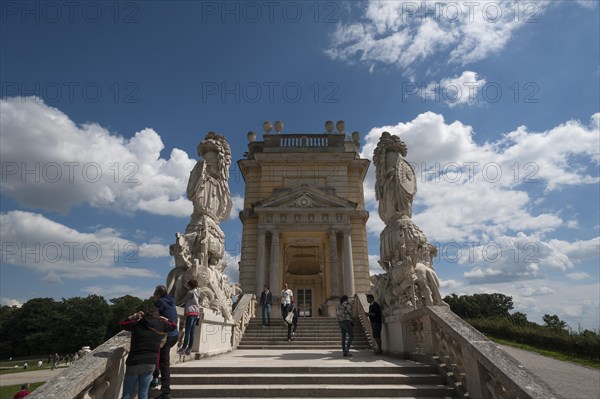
(584, 344)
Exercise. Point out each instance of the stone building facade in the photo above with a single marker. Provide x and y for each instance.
(304, 218)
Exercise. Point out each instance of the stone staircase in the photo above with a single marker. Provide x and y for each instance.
(407, 380)
(267, 365)
(312, 333)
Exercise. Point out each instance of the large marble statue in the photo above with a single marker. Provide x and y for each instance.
(199, 253)
(409, 280)
(396, 183)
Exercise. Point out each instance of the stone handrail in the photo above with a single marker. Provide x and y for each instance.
(242, 314)
(475, 365)
(99, 374)
(362, 306)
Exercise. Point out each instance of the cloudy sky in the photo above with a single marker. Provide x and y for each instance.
(104, 103)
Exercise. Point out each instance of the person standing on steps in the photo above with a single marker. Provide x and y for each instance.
(286, 301)
(291, 328)
(374, 314)
(191, 304)
(343, 313)
(166, 305)
(147, 330)
(266, 300)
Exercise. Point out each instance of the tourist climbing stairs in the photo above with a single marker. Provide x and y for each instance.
(311, 333)
(311, 365)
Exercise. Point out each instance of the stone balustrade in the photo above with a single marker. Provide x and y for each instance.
(243, 313)
(99, 374)
(473, 364)
(359, 308)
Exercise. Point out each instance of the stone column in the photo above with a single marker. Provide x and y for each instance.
(260, 261)
(274, 272)
(348, 265)
(334, 265)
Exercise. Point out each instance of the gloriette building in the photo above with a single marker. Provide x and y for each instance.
(304, 217)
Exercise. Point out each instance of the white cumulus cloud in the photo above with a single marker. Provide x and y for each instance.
(51, 163)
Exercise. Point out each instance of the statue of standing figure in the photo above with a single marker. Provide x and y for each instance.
(199, 253)
(410, 280)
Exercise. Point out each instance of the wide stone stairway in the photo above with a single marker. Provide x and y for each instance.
(311, 333)
(266, 365)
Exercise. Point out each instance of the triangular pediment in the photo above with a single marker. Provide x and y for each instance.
(304, 196)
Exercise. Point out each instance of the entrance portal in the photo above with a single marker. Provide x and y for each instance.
(304, 302)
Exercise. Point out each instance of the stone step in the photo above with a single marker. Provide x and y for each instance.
(290, 345)
(406, 368)
(308, 378)
(317, 391)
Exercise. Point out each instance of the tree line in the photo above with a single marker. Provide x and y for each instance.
(46, 326)
(490, 314)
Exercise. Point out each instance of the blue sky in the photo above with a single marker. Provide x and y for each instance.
(104, 103)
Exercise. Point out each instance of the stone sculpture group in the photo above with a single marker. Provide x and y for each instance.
(406, 256)
(199, 253)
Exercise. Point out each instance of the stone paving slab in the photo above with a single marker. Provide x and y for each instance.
(297, 358)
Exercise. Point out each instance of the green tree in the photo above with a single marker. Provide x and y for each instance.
(7, 318)
(519, 319)
(480, 305)
(553, 322)
(34, 328)
(120, 309)
(86, 322)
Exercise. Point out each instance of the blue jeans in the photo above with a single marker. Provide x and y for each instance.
(188, 334)
(143, 383)
(266, 309)
(346, 328)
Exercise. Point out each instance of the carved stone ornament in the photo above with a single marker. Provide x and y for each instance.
(199, 253)
(304, 201)
(406, 256)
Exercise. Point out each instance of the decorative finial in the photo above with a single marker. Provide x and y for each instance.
(267, 126)
(251, 136)
(278, 126)
(341, 127)
(329, 127)
(355, 137)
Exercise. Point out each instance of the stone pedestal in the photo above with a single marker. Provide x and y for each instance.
(329, 307)
(213, 334)
(394, 335)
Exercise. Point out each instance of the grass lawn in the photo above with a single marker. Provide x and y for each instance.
(549, 353)
(8, 391)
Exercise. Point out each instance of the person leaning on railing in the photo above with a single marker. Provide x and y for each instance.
(147, 331)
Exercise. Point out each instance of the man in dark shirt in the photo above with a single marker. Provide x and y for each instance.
(376, 321)
(266, 300)
(166, 305)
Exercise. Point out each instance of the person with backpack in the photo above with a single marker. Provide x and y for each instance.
(165, 303)
(147, 330)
